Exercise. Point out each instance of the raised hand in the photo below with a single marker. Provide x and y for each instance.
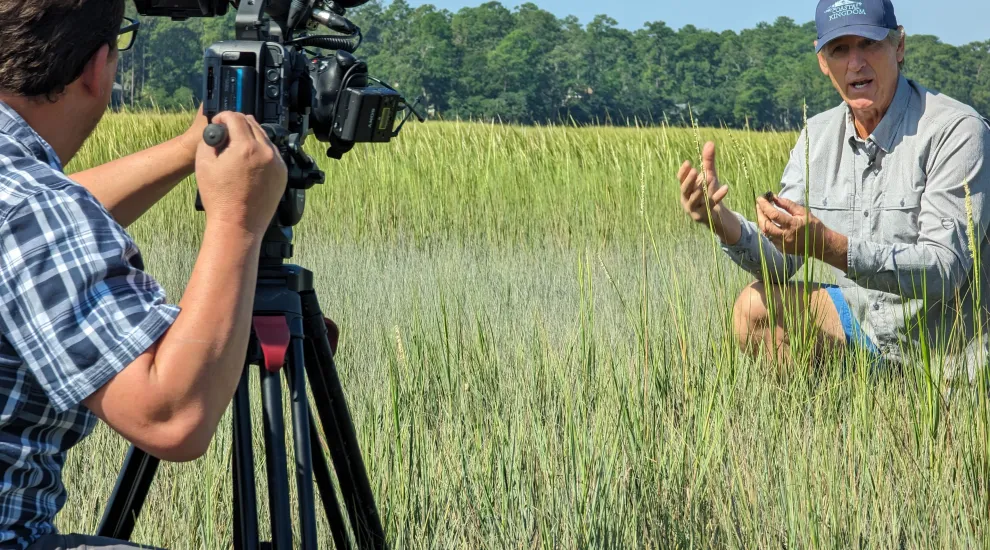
(702, 193)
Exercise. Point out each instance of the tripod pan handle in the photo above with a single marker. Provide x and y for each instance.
(215, 135)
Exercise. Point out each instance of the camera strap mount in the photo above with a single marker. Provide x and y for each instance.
(273, 335)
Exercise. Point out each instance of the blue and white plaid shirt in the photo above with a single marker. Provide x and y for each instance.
(75, 309)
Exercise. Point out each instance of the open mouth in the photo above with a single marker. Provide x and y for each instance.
(861, 84)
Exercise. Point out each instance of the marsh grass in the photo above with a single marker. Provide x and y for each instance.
(537, 352)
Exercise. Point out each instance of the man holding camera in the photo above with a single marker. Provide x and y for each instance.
(890, 172)
(85, 333)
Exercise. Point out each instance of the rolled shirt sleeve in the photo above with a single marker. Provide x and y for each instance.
(72, 302)
(754, 251)
(940, 261)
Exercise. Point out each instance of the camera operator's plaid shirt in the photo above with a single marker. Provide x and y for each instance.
(75, 309)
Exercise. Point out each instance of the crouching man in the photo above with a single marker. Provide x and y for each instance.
(886, 208)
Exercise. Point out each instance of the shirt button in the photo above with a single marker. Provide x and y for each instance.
(866, 213)
(876, 307)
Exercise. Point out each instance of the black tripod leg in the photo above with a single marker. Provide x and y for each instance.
(336, 419)
(321, 471)
(236, 514)
(128, 495)
(245, 493)
(295, 374)
(278, 477)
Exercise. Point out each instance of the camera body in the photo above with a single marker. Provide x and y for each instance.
(251, 78)
(264, 72)
(280, 86)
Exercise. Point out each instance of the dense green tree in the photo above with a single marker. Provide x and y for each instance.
(754, 100)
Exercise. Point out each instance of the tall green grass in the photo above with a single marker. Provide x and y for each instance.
(537, 352)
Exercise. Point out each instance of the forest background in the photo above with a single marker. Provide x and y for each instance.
(527, 66)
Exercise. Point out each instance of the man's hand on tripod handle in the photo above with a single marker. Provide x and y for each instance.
(244, 193)
(186, 380)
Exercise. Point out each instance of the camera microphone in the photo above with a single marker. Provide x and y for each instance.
(333, 21)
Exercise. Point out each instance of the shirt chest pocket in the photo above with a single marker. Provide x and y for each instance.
(897, 215)
(835, 210)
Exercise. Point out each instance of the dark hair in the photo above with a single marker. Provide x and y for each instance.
(45, 44)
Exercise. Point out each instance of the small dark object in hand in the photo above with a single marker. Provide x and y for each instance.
(768, 195)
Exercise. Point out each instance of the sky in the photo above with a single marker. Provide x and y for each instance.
(955, 22)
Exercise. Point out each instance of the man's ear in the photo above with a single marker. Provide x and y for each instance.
(94, 76)
(900, 46)
(821, 63)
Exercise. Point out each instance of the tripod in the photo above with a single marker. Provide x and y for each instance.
(291, 335)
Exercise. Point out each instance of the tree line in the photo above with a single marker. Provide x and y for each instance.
(526, 65)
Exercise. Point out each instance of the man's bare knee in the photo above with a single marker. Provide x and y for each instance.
(750, 316)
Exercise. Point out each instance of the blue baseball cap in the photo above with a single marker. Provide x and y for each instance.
(872, 19)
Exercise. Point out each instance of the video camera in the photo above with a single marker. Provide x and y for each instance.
(265, 72)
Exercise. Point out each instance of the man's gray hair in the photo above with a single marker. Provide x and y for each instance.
(894, 37)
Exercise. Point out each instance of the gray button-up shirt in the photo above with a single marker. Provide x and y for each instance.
(900, 198)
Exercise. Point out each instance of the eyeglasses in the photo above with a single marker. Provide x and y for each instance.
(127, 34)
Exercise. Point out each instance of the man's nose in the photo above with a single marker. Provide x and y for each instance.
(856, 60)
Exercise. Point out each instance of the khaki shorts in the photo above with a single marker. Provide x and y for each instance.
(83, 542)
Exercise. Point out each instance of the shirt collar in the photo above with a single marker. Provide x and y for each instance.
(885, 133)
(12, 124)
